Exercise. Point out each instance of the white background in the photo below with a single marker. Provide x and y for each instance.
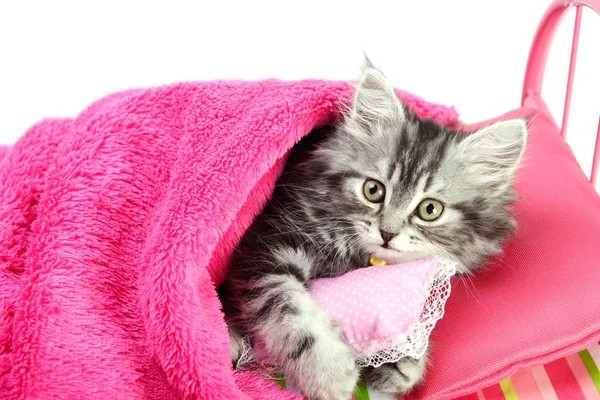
(56, 57)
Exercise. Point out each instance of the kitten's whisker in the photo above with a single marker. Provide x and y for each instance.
(470, 287)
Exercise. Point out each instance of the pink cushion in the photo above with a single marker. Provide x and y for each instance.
(538, 302)
(387, 312)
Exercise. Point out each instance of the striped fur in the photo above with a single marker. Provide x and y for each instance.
(319, 223)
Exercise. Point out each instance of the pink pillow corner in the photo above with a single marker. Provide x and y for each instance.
(387, 312)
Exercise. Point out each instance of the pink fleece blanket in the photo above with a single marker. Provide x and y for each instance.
(116, 226)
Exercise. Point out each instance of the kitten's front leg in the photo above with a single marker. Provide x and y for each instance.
(397, 378)
(299, 337)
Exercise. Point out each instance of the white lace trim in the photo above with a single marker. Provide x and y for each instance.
(411, 343)
(414, 341)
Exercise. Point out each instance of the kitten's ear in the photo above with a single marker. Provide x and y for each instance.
(375, 100)
(496, 150)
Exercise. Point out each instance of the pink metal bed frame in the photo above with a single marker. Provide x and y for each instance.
(538, 57)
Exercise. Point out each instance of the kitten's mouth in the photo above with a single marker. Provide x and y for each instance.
(385, 249)
(393, 256)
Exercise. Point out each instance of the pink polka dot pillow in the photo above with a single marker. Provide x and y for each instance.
(387, 312)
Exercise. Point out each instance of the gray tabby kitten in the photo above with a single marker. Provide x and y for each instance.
(381, 182)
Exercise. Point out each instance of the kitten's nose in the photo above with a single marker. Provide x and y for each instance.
(386, 236)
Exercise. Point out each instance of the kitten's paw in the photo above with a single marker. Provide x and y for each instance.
(327, 371)
(397, 378)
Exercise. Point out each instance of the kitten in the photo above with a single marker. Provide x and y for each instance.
(381, 182)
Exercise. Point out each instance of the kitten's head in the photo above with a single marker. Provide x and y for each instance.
(415, 188)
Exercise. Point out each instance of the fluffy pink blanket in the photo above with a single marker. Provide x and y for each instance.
(116, 226)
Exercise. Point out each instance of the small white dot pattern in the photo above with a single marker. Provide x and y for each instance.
(387, 313)
(376, 303)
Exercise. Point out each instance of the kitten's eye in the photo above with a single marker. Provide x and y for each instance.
(374, 191)
(430, 210)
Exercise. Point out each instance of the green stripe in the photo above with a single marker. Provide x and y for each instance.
(280, 379)
(509, 390)
(361, 392)
(591, 367)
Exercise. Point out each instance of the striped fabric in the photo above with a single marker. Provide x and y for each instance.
(576, 377)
